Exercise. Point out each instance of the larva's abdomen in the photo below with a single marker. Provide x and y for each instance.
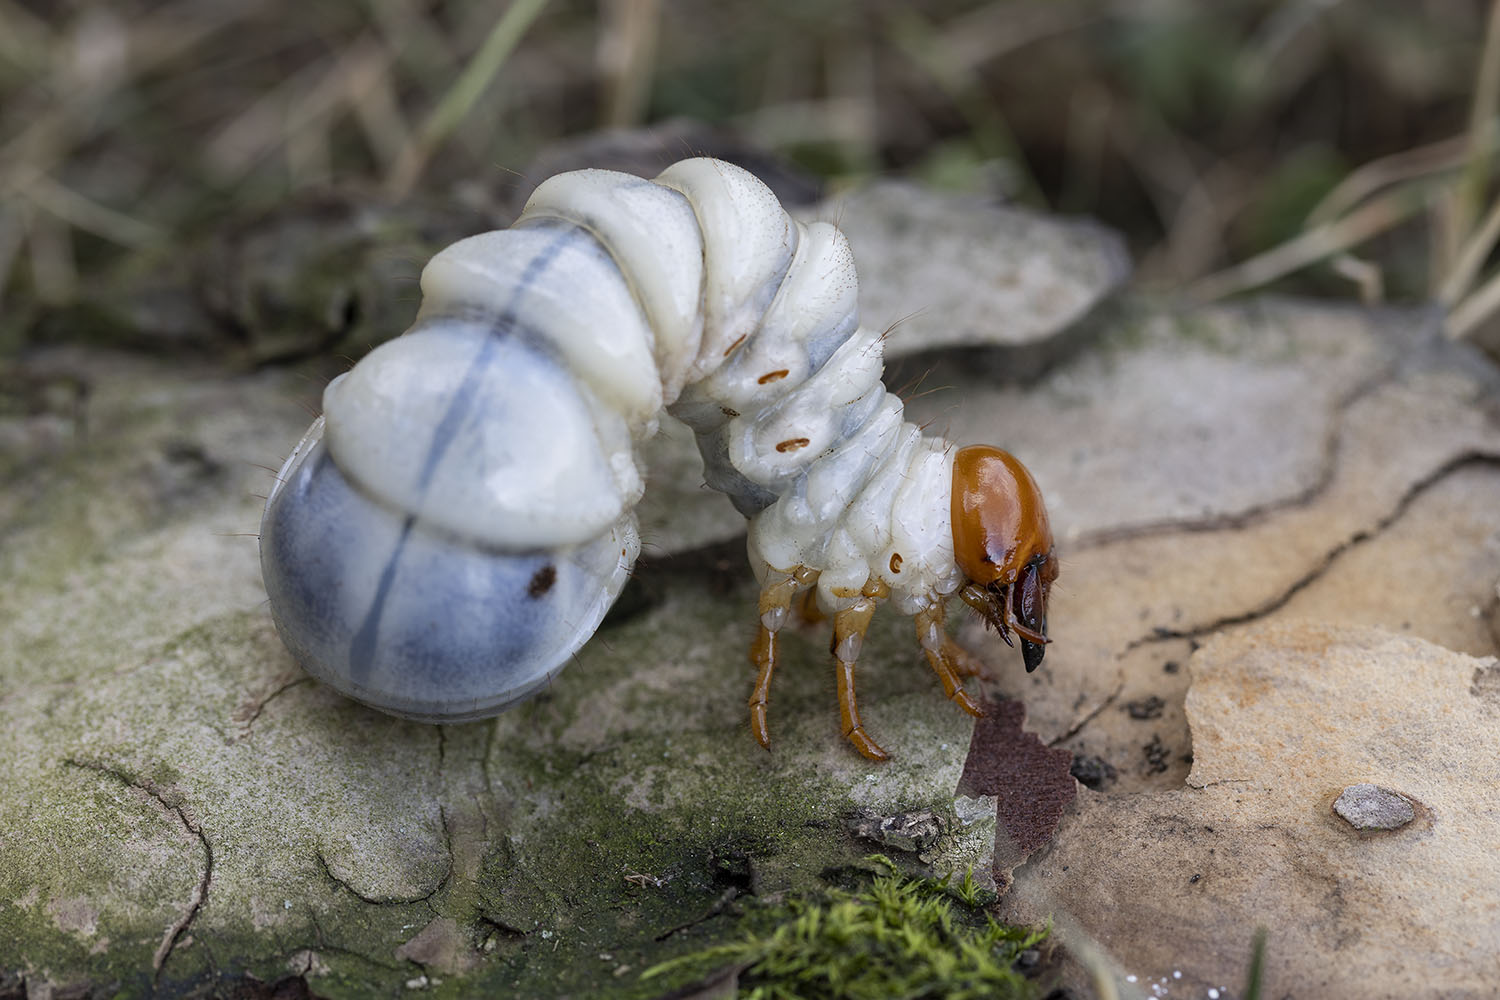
(416, 621)
(457, 524)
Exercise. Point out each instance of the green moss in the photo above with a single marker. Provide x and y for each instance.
(900, 937)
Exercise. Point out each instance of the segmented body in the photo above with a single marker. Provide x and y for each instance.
(459, 521)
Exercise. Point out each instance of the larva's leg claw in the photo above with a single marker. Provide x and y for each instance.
(867, 747)
(849, 629)
(952, 687)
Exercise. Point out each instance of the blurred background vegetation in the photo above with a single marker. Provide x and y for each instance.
(1337, 148)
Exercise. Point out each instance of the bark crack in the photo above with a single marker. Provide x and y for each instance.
(323, 946)
(1089, 717)
(1327, 467)
(1468, 459)
(484, 762)
(178, 928)
(249, 721)
(379, 901)
(728, 896)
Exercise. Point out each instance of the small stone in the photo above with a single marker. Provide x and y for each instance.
(1370, 807)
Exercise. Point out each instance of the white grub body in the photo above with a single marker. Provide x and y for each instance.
(455, 527)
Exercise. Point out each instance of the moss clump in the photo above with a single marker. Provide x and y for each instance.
(900, 937)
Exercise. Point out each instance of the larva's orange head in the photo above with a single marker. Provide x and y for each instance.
(1003, 544)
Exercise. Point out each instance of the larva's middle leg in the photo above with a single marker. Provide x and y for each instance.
(776, 596)
(945, 657)
(849, 628)
(965, 662)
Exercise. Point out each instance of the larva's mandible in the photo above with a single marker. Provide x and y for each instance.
(457, 523)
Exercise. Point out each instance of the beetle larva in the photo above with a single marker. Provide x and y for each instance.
(457, 523)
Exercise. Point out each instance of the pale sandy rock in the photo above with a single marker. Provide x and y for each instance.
(1284, 717)
(946, 270)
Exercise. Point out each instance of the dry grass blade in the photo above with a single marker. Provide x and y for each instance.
(627, 57)
(803, 121)
(49, 242)
(1471, 258)
(12, 235)
(920, 42)
(25, 38)
(1389, 171)
(87, 214)
(1469, 314)
(1471, 191)
(460, 98)
(379, 113)
(977, 37)
(1365, 274)
(1310, 247)
(304, 102)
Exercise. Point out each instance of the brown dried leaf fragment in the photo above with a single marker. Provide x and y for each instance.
(1032, 784)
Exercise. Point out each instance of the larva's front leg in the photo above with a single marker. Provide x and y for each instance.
(849, 628)
(776, 596)
(945, 657)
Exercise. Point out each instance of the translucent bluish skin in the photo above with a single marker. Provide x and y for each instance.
(456, 526)
(418, 622)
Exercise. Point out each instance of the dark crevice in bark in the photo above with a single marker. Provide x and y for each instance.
(322, 946)
(379, 901)
(1093, 714)
(728, 896)
(1462, 461)
(1327, 467)
(178, 928)
(249, 723)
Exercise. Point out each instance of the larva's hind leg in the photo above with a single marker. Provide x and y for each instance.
(849, 628)
(776, 596)
(947, 659)
(805, 607)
